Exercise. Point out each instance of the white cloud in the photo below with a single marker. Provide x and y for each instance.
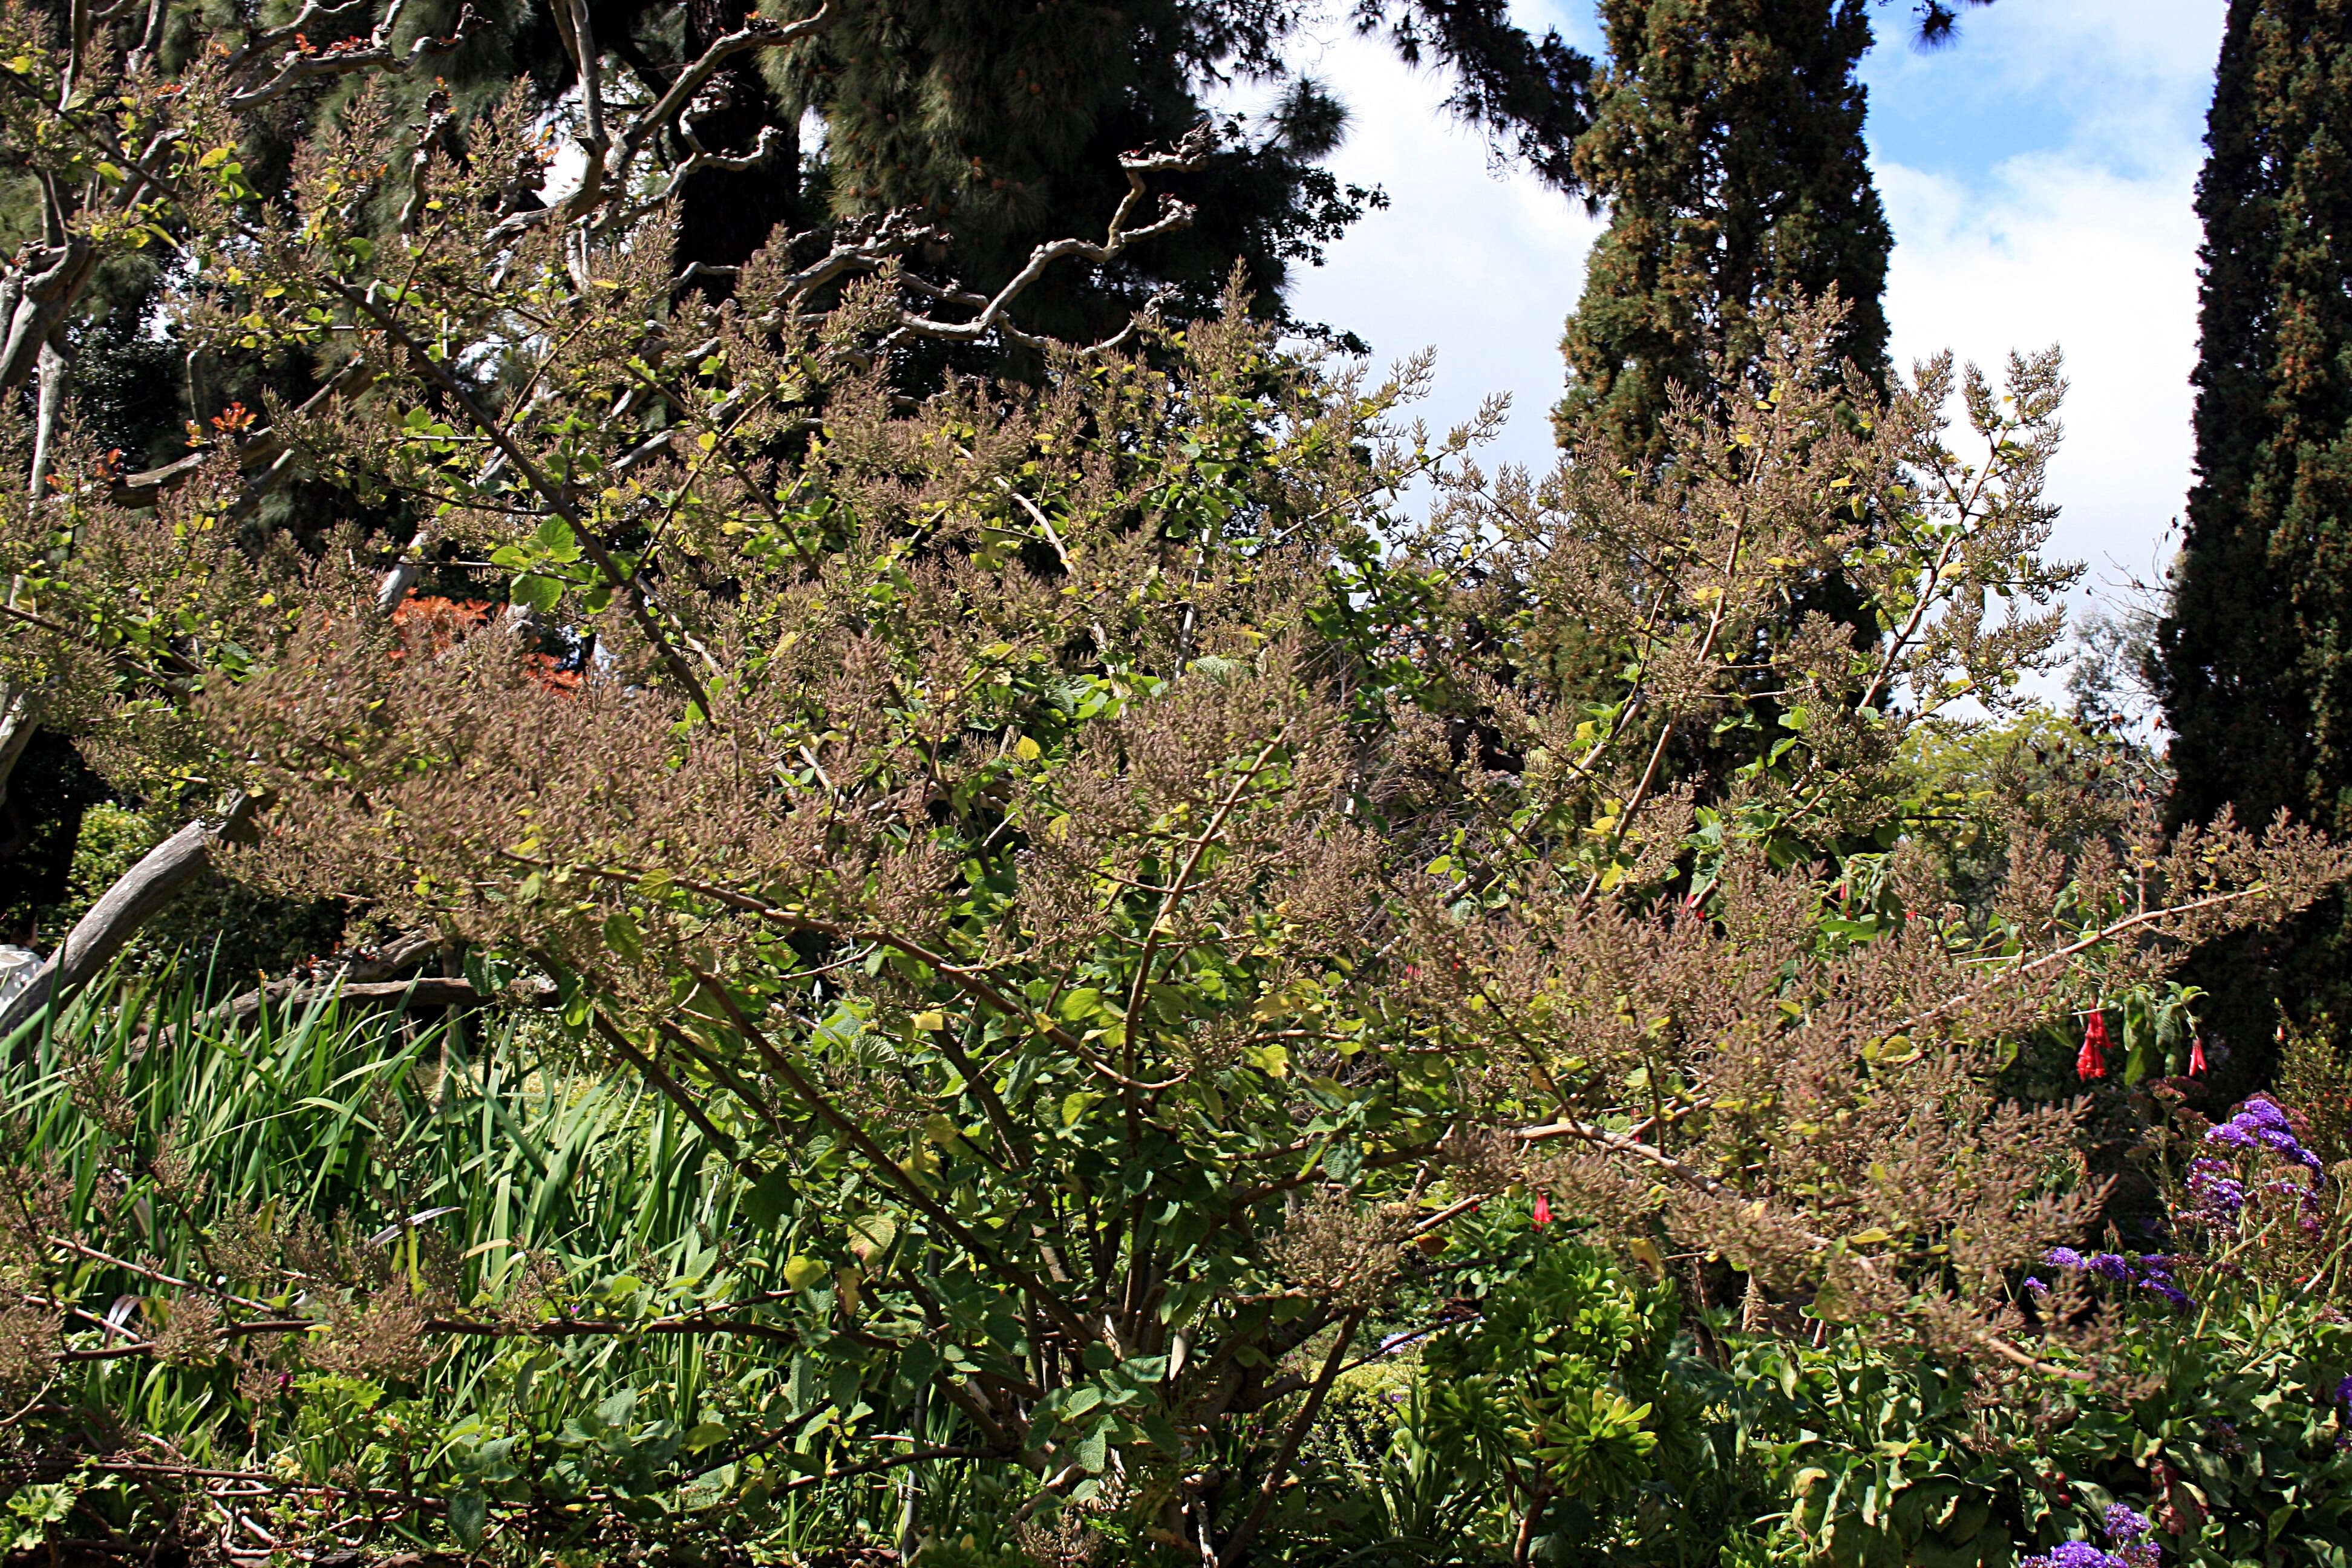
(2125, 76)
(1482, 267)
(2056, 249)
(2086, 239)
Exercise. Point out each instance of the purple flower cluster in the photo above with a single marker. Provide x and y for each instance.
(2219, 1188)
(2073, 1554)
(2127, 1529)
(2262, 1123)
(2151, 1273)
(2214, 1184)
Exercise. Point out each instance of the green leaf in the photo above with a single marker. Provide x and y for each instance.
(1272, 1060)
(1162, 1432)
(918, 1360)
(621, 935)
(870, 1234)
(803, 1389)
(468, 1515)
(541, 594)
(768, 1200)
(556, 540)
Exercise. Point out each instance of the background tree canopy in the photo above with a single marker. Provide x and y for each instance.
(924, 884)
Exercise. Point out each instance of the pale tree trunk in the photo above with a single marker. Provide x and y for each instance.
(16, 714)
(49, 408)
(16, 732)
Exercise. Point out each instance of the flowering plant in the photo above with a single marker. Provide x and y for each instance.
(2218, 1430)
(2127, 1530)
(1110, 889)
(2252, 1196)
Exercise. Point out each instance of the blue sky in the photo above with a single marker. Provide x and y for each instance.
(2038, 174)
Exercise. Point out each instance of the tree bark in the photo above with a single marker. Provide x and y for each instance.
(49, 409)
(167, 870)
(35, 303)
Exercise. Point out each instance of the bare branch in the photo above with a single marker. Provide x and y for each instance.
(301, 64)
(1190, 155)
(758, 34)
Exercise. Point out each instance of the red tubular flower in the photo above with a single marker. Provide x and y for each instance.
(2092, 1062)
(2196, 1055)
(1543, 1210)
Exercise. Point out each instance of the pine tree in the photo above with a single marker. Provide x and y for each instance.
(1004, 124)
(726, 214)
(2255, 655)
(1532, 97)
(1727, 145)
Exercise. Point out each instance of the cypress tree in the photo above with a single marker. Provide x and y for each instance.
(1726, 145)
(2254, 658)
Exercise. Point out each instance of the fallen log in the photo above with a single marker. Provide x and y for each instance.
(136, 895)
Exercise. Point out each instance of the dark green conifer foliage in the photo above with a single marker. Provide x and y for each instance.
(1726, 145)
(1005, 123)
(1531, 96)
(1005, 120)
(2255, 656)
(724, 214)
